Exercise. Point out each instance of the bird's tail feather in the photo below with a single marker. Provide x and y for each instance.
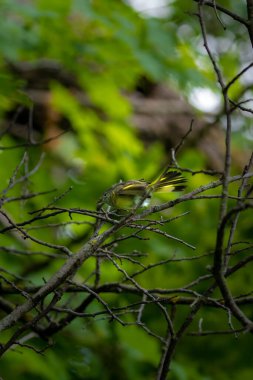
(168, 181)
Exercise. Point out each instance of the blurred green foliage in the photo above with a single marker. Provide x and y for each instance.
(107, 46)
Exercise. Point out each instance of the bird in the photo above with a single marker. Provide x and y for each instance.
(137, 193)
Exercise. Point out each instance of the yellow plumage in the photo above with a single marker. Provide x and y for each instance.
(126, 195)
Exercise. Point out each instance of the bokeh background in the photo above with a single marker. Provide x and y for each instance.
(102, 90)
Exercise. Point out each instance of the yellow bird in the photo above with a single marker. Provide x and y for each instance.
(127, 195)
